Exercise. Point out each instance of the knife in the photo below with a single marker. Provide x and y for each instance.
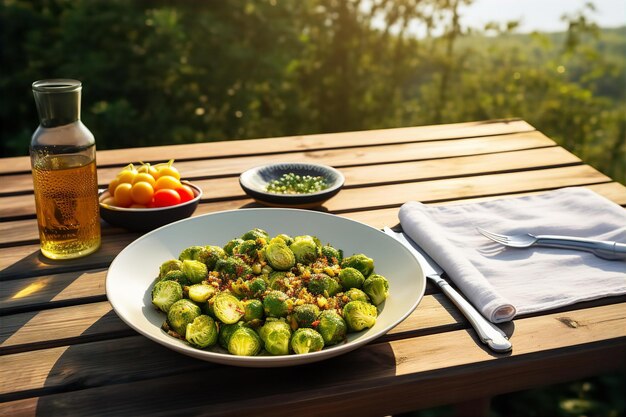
(488, 332)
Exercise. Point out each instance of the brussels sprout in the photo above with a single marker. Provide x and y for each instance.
(177, 276)
(256, 287)
(166, 293)
(351, 278)
(253, 309)
(210, 255)
(306, 340)
(257, 268)
(200, 293)
(276, 304)
(332, 255)
(249, 248)
(202, 332)
(276, 335)
(255, 234)
(359, 315)
(322, 284)
(305, 249)
(227, 308)
(279, 256)
(239, 288)
(277, 280)
(355, 294)
(285, 238)
(332, 327)
(244, 342)
(191, 253)
(195, 271)
(226, 331)
(180, 314)
(305, 314)
(171, 265)
(230, 246)
(360, 262)
(232, 268)
(377, 288)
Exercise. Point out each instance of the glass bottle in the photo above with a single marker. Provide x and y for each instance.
(63, 160)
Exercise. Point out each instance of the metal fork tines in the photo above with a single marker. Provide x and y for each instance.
(516, 241)
(603, 249)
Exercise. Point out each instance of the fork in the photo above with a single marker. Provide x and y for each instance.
(602, 249)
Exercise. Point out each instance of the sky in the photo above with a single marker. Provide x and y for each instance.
(543, 15)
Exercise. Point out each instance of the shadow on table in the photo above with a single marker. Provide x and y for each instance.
(135, 376)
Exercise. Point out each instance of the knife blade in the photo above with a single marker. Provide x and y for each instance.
(488, 333)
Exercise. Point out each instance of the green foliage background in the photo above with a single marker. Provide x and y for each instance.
(163, 72)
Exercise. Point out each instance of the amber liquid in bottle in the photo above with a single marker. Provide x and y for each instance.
(67, 212)
(63, 159)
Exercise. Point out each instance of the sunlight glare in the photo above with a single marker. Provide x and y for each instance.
(30, 289)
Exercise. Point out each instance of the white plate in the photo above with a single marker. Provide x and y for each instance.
(132, 272)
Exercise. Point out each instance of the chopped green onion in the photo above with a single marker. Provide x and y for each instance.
(296, 184)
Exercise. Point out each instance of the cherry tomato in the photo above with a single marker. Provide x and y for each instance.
(113, 184)
(123, 197)
(167, 182)
(144, 176)
(185, 192)
(127, 174)
(142, 192)
(109, 201)
(149, 169)
(168, 169)
(166, 197)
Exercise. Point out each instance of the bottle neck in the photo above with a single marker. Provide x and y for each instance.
(58, 102)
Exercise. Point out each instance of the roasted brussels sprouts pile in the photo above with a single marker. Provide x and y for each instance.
(272, 296)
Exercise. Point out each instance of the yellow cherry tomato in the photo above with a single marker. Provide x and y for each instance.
(109, 201)
(149, 169)
(113, 184)
(142, 192)
(127, 175)
(123, 197)
(138, 206)
(144, 177)
(167, 182)
(168, 169)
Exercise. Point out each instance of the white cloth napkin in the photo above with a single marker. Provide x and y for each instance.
(502, 282)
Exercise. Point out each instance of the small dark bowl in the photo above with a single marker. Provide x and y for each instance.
(255, 180)
(146, 219)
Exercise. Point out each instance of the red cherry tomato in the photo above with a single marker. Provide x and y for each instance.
(185, 192)
(166, 198)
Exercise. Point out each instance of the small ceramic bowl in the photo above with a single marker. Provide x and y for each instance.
(255, 180)
(146, 219)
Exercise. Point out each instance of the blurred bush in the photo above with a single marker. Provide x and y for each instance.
(161, 72)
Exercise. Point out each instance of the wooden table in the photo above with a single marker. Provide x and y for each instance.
(65, 352)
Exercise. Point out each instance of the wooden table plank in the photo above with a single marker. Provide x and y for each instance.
(20, 183)
(460, 188)
(27, 261)
(56, 320)
(209, 150)
(429, 362)
(360, 176)
(36, 330)
(52, 290)
(58, 326)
